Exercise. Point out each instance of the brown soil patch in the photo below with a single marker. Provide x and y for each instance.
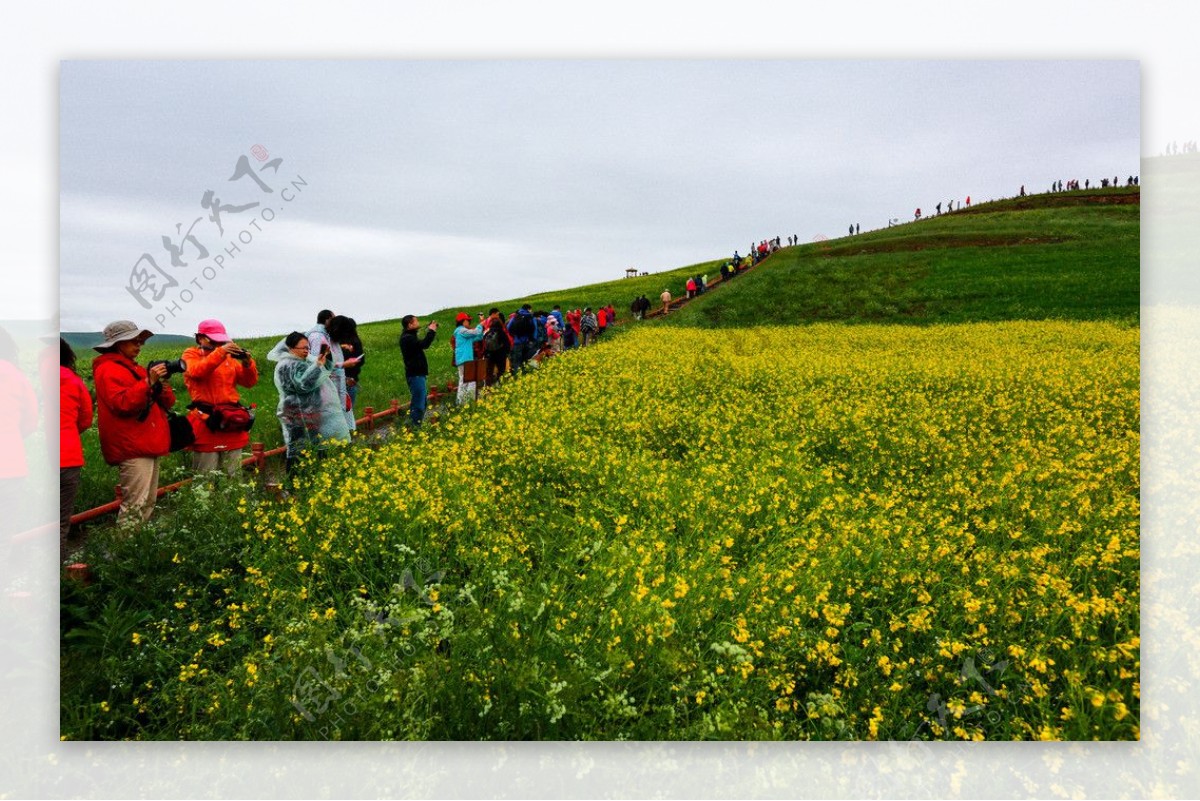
(1077, 197)
(939, 242)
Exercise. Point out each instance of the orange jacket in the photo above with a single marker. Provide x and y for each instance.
(213, 377)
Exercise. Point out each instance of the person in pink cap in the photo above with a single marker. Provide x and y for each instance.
(216, 367)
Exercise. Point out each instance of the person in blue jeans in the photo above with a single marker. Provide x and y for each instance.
(523, 328)
(416, 366)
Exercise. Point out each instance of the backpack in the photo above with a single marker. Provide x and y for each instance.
(522, 326)
(227, 417)
(493, 340)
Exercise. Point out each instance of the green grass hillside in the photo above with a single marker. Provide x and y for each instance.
(1068, 256)
(891, 492)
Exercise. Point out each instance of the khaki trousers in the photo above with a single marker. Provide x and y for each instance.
(230, 462)
(139, 489)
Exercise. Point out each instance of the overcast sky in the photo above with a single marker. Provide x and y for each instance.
(407, 186)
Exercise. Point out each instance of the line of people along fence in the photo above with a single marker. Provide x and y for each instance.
(575, 328)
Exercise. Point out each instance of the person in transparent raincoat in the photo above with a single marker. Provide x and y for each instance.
(310, 409)
(336, 331)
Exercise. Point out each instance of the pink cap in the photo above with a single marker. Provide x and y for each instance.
(213, 330)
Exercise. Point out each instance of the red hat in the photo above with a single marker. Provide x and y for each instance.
(462, 317)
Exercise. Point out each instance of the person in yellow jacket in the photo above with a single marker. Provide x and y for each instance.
(215, 368)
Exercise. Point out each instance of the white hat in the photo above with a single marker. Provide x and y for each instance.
(122, 331)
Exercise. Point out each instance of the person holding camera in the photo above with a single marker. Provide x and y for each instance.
(215, 368)
(416, 365)
(134, 430)
(339, 332)
(336, 421)
(301, 400)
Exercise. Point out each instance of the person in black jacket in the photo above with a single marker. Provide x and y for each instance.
(344, 331)
(416, 366)
(497, 344)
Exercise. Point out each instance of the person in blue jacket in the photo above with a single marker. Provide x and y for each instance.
(524, 330)
(464, 352)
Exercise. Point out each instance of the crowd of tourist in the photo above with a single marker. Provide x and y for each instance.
(1071, 185)
(316, 376)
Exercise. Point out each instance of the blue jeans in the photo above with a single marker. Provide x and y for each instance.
(416, 409)
(521, 353)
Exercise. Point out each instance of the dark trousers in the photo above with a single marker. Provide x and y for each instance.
(496, 365)
(521, 353)
(69, 479)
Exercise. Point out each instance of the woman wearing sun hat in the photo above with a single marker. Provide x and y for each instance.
(132, 403)
(216, 367)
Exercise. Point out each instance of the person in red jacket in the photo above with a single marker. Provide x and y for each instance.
(132, 403)
(18, 419)
(74, 417)
(216, 367)
(574, 323)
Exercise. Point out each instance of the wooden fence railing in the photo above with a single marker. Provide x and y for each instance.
(257, 460)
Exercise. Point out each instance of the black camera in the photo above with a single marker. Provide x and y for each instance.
(174, 366)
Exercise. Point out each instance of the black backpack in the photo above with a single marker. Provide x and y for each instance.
(494, 340)
(522, 326)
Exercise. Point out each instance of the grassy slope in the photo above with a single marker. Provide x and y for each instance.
(1070, 262)
(919, 274)
(1070, 256)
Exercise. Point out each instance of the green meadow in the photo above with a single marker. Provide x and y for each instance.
(880, 487)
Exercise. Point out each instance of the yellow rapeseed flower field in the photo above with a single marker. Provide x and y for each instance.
(851, 532)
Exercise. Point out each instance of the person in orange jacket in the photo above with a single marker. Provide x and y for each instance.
(132, 402)
(216, 367)
(75, 415)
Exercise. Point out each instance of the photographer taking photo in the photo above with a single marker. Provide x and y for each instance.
(134, 430)
(215, 368)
